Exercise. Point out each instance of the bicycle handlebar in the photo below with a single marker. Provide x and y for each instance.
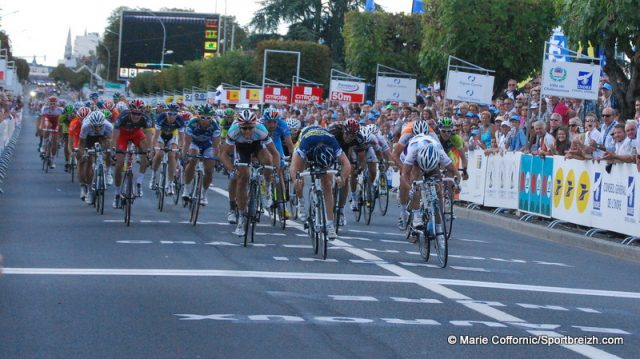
(317, 172)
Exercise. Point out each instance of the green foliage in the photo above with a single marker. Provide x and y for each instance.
(373, 38)
(315, 61)
(23, 69)
(75, 79)
(503, 35)
(609, 24)
(232, 67)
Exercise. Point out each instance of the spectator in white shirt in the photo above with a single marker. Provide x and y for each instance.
(623, 150)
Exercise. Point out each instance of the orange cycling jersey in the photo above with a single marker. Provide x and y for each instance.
(74, 131)
(407, 129)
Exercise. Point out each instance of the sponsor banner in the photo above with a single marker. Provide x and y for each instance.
(535, 185)
(614, 206)
(472, 190)
(230, 97)
(200, 97)
(572, 196)
(277, 95)
(347, 91)
(251, 96)
(501, 186)
(307, 94)
(469, 87)
(395, 89)
(570, 79)
(188, 97)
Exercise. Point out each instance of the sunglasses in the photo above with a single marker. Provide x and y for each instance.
(607, 115)
(172, 113)
(206, 118)
(573, 125)
(136, 113)
(555, 119)
(446, 131)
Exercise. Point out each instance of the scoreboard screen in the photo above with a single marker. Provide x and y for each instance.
(189, 36)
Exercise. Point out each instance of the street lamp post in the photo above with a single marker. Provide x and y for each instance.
(108, 59)
(164, 38)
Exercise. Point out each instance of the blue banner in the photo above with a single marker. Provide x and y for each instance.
(536, 186)
(417, 7)
(370, 5)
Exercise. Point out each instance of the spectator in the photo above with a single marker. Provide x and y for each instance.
(509, 108)
(563, 142)
(518, 140)
(544, 142)
(555, 121)
(631, 129)
(574, 130)
(586, 148)
(487, 130)
(608, 98)
(637, 108)
(502, 138)
(560, 108)
(511, 91)
(623, 149)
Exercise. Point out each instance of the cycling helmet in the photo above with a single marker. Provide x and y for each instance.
(428, 159)
(68, 109)
(62, 103)
(96, 118)
(420, 127)
(168, 100)
(172, 107)
(52, 100)
(107, 113)
(180, 99)
(185, 115)
(373, 129)
(136, 105)
(100, 104)
(109, 105)
(94, 96)
(271, 114)
(445, 122)
(77, 105)
(117, 96)
(322, 156)
(219, 112)
(366, 134)
(205, 110)
(122, 106)
(293, 123)
(229, 112)
(352, 126)
(84, 112)
(247, 117)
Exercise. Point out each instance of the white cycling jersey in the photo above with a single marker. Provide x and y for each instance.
(420, 141)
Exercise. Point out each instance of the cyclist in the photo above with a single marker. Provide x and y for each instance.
(320, 148)
(136, 126)
(96, 129)
(294, 127)
(247, 138)
(353, 144)
(65, 118)
(109, 105)
(430, 157)
(452, 144)
(280, 135)
(169, 133)
(49, 116)
(202, 136)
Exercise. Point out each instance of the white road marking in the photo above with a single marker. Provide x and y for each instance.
(470, 240)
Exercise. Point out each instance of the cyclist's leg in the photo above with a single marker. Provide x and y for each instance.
(208, 168)
(142, 145)
(327, 190)
(190, 168)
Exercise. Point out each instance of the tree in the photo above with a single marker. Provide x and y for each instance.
(309, 20)
(503, 35)
(75, 79)
(111, 40)
(232, 67)
(23, 69)
(373, 38)
(610, 24)
(315, 61)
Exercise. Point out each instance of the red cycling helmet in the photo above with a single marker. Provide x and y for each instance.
(136, 105)
(109, 105)
(352, 125)
(84, 112)
(52, 100)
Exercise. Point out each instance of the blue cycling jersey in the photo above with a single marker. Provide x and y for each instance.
(279, 134)
(313, 136)
(202, 136)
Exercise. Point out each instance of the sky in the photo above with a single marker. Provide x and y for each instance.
(40, 27)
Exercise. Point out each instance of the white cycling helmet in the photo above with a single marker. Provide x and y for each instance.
(373, 128)
(420, 127)
(428, 158)
(293, 123)
(96, 118)
(122, 106)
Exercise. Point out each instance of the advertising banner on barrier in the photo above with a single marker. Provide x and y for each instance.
(199, 97)
(347, 91)
(535, 188)
(571, 191)
(277, 95)
(501, 185)
(570, 79)
(472, 190)
(469, 87)
(395, 89)
(307, 94)
(251, 96)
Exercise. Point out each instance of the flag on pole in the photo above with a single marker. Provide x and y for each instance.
(370, 5)
(417, 7)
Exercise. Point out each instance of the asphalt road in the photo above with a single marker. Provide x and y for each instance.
(78, 284)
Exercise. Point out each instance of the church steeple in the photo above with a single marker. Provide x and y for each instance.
(67, 48)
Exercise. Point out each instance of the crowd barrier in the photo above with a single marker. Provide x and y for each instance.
(7, 127)
(586, 193)
(9, 132)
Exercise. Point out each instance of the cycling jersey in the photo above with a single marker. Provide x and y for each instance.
(87, 130)
(202, 137)
(64, 120)
(279, 134)
(169, 130)
(52, 115)
(419, 142)
(130, 130)
(74, 131)
(313, 136)
(357, 142)
(454, 141)
(225, 124)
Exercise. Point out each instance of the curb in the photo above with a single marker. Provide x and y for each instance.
(554, 235)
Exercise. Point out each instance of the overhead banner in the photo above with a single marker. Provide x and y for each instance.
(472, 190)
(347, 91)
(570, 79)
(307, 94)
(501, 185)
(277, 95)
(396, 89)
(251, 96)
(230, 97)
(469, 87)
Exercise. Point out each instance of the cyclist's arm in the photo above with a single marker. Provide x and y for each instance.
(155, 138)
(116, 134)
(395, 155)
(275, 155)
(227, 152)
(187, 144)
(289, 143)
(216, 146)
(346, 166)
(82, 146)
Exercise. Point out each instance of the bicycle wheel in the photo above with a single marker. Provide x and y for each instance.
(408, 228)
(293, 205)
(195, 199)
(322, 216)
(369, 203)
(311, 223)
(128, 197)
(441, 247)
(162, 184)
(358, 212)
(72, 168)
(448, 211)
(336, 208)
(177, 186)
(99, 190)
(273, 210)
(251, 209)
(383, 195)
(426, 235)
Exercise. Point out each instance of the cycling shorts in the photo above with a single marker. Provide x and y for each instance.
(126, 136)
(245, 150)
